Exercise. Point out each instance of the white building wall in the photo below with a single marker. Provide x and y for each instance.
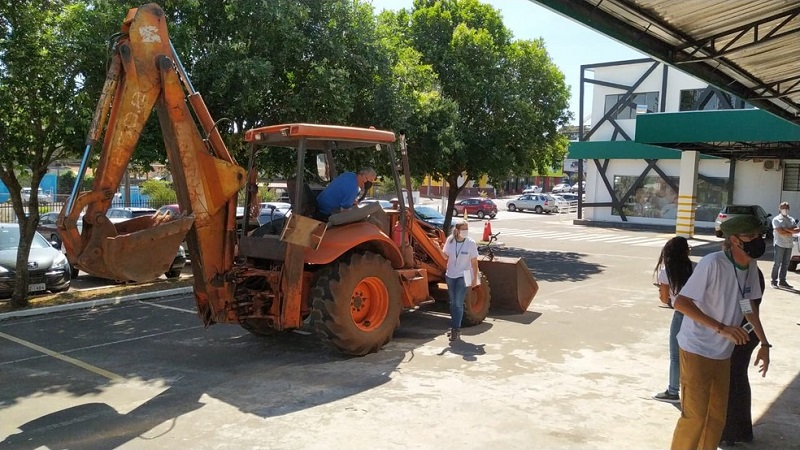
(752, 184)
(756, 186)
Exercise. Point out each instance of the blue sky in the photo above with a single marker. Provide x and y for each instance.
(569, 43)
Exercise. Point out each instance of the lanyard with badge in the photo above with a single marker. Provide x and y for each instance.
(744, 303)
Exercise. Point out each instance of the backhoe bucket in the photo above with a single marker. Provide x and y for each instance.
(140, 251)
(511, 282)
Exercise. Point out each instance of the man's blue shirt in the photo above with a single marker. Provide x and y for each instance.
(341, 193)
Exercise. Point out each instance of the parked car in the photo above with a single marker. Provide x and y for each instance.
(47, 226)
(385, 204)
(569, 197)
(272, 214)
(430, 216)
(117, 215)
(561, 187)
(477, 206)
(48, 269)
(42, 196)
(539, 203)
(532, 190)
(737, 210)
(574, 188)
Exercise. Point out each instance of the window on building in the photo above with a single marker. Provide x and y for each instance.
(791, 177)
(656, 199)
(645, 101)
(709, 100)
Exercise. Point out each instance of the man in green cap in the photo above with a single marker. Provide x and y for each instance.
(714, 300)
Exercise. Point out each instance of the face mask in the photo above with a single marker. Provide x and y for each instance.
(755, 248)
(785, 212)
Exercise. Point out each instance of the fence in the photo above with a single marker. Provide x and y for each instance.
(8, 215)
(567, 207)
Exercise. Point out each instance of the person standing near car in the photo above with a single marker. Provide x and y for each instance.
(783, 226)
(714, 300)
(461, 253)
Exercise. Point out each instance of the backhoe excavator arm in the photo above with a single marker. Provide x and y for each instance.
(145, 74)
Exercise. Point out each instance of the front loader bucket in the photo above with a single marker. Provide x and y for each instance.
(135, 250)
(512, 283)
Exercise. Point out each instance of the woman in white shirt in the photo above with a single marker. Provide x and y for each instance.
(673, 268)
(461, 253)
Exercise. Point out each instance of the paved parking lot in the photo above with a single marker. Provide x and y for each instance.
(576, 371)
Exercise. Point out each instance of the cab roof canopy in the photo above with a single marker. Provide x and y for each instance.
(749, 48)
(317, 137)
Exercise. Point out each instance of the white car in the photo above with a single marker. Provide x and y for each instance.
(561, 187)
(42, 196)
(538, 203)
(532, 190)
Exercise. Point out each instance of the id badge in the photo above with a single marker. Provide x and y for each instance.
(745, 306)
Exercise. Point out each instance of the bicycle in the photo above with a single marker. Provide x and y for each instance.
(488, 250)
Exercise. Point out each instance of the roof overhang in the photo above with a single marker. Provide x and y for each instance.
(749, 48)
(741, 134)
(622, 150)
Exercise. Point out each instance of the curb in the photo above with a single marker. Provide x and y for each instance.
(94, 303)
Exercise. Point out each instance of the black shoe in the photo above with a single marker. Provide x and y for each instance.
(667, 397)
(784, 284)
(774, 285)
(454, 334)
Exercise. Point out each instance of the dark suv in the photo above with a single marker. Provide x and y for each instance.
(478, 206)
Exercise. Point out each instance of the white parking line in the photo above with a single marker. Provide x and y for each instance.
(59, 356)
(190, 311)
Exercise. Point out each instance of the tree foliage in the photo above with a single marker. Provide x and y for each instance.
(42, 93)
(160, 192)
(500, 101)
(471, 100)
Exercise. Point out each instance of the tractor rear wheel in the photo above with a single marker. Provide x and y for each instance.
(356, 303)
(476, 305)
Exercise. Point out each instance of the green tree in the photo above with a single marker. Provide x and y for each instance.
(506, 98)
(160, 192)
(43, 96)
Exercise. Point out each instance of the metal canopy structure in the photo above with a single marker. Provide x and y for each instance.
(750, 48)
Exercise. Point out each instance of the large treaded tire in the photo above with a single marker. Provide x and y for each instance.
(476, 305)
(356, 303)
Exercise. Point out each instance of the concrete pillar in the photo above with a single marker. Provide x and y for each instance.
(687, 194)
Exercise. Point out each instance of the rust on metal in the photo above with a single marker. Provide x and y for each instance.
(512, 283)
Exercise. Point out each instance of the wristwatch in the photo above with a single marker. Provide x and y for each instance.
(767, 345)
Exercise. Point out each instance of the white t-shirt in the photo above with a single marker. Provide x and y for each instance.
(663, 279)
(459, 256)
(716, 286)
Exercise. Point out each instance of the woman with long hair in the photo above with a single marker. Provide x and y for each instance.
(461, 253)
(673, 269)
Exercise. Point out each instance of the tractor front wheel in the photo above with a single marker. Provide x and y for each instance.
(356, 303)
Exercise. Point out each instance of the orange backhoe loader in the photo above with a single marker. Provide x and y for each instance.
(349, 281)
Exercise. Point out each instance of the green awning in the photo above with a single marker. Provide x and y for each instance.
(731, 125)
(622, 150)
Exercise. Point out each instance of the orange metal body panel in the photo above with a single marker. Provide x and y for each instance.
(288, 135)
(341, 239)
(415, 287)
(143, 77)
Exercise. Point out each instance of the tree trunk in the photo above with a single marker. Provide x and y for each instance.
(453, 190)
(27, 227)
